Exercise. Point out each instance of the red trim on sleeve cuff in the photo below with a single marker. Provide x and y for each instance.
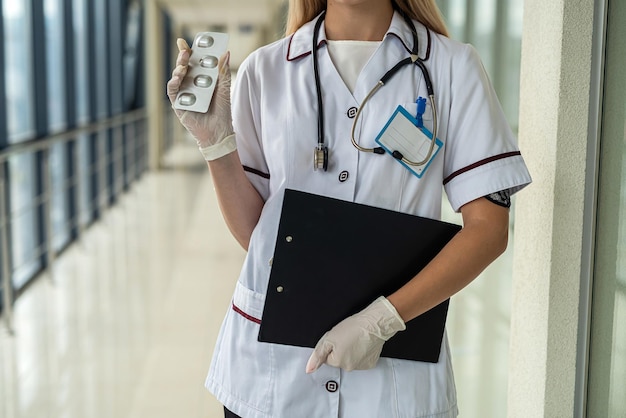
(479, 163)
(255, 171)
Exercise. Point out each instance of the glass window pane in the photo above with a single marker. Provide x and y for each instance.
(509, 74)
(456, 17)
(24, 225)
(478, 341)
(60, 206)
(55, 63)
(55, 74)
(131, 55)
(18, 70)
(80, 56)
(102, 61)
(607, 371)
(25, 260)
(484, 25)
(84, 174)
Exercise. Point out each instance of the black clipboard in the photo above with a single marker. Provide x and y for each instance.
(333, 258)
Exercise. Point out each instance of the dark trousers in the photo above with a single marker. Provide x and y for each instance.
(228, 414)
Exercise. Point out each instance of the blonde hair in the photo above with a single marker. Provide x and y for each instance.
(424, 11)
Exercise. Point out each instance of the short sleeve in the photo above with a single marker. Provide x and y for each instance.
(247, 126)
(481, 155)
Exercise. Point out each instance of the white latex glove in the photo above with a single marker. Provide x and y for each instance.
(213, 130)
(356, 342)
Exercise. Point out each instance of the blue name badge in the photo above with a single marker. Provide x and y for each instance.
(402, 134)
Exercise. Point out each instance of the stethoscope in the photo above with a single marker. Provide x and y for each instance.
(320, 160)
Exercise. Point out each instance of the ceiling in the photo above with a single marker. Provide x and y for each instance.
(207, 12)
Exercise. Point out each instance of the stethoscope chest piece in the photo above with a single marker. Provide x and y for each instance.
(320, 158)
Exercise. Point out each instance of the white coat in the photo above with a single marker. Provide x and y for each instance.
(275, 120)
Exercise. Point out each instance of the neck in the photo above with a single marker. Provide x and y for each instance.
(367, 21)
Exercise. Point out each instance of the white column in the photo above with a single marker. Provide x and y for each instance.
(155, 90)
(553, 134)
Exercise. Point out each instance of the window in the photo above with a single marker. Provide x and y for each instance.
(81, 38)
(607, 366)
(483, 32)
(55, 64)
(495, 29)
(20, 127)
(479, 317)
(18, 70)
(55, 77)
(101, 59)
(455, 14)
(24, 225)
(59, 196)
(84, 175)
(131, 55)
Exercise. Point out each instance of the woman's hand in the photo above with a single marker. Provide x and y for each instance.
(213, 130)
(356, 342)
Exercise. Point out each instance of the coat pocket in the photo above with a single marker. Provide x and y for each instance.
(242, 369)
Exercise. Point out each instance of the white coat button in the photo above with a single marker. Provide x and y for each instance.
(343, 176)
(352, 112)
(332, 386)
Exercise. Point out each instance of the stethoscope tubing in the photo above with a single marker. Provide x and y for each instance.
(322, 150)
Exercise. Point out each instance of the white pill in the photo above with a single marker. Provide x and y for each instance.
(203, 81)
(209, 61)
(187, 99)
(205, 41)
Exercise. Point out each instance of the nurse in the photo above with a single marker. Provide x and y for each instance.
(265, 144)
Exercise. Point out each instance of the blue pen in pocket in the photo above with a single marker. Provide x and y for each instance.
(421, 108)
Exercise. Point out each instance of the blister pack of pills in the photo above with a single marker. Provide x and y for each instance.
(197, 87)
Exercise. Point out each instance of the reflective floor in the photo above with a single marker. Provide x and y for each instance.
(125, 324)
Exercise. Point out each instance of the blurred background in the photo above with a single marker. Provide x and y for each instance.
(115, 265)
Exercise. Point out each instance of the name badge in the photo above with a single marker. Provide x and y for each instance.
(402, 134)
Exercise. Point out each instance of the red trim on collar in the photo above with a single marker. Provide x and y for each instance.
(390, 32)
(478, 164)
(321, 42)
(289, 50)
(401, 40)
